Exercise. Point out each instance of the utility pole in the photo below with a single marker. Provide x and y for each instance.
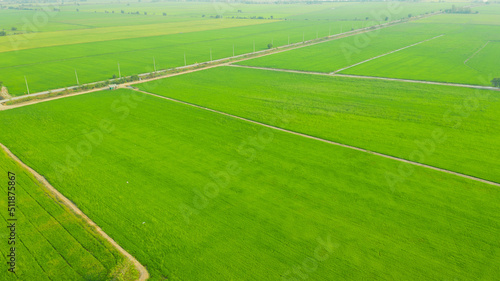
(27, 88)
(119, 71)
(77, 82)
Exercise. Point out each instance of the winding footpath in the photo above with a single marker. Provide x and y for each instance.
(143, 273)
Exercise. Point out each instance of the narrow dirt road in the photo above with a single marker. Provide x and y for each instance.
(327, 141)
(144, 275)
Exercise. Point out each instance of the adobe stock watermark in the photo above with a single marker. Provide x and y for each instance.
(312, 262)
(91, 139)
(453, 117)
(220, 180)
(31, 25)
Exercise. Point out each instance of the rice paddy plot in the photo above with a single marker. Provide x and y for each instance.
(431, 124)
(443, 59)
(334, 55)
(199, 196)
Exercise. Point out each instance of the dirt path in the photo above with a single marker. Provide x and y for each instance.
(144, 275)
(371, 77)
(327, 141)
(391, 52)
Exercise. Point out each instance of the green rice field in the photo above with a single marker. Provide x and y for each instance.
(347, 157)
(199, 196)
(333, 108)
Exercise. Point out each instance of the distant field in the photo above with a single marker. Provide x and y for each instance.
(487, 59)
(376, 10)
(490, 19)
(392, 118)
(289, 202)
(336, 54)
(59, 42)
(443, 59)
(52, 243)
(54, 67)
(106, 34)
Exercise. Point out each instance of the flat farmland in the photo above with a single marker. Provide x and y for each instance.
(445, 59)
(376, 10)
(394, 118)
(486, 59)
(191, 194)
(54, 67)
(51, 242)
(334, 55)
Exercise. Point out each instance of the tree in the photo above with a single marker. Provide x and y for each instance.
(269, 46)
(14, 28)
(386, 18)
(409, 15)
(496, 82)
(3, 33)
(164, 14)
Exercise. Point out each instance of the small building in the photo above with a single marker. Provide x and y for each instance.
(113, 86)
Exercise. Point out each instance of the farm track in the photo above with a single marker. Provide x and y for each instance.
(370, 77)
(326, 141)
(143, 273)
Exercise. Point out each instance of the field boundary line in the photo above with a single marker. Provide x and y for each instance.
(324, 140)
(370, 77)
(391, 52)
(143, 273)
(476, 52)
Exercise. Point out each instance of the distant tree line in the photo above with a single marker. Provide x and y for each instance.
(458, 10)
(496, 82)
